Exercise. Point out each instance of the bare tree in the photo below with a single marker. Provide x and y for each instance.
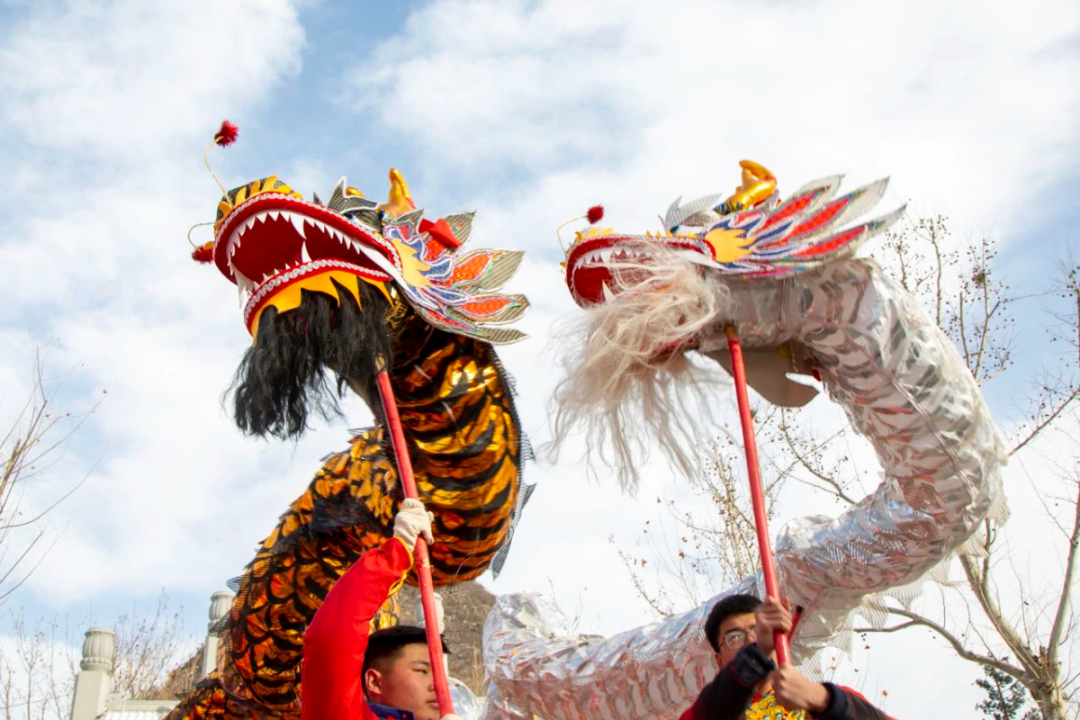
(39, 662)
(710, 543)
(1021, 633)
(32, 444)
(148, 648)
(37, 670)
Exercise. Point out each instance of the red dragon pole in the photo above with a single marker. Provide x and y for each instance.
(423, 563)
(757, 496)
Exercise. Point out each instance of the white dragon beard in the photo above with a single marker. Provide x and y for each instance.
(620, 390)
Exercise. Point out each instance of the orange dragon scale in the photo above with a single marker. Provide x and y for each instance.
(329, 290)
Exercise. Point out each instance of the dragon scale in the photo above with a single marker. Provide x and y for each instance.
(334, 289)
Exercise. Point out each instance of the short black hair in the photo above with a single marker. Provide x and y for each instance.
(384, 645)
(731, 605)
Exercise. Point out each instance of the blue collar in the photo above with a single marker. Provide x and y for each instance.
(385, 712)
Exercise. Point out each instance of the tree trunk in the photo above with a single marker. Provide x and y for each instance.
(1051, 701)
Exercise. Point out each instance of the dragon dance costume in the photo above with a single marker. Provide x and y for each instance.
(785, 274)
(333, 288)
(330, 289)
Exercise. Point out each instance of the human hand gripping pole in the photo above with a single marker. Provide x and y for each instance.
(413, 522)
(757, 496)
(420, 554)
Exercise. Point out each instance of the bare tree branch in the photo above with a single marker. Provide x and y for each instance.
(959, 647)
(1067, 585)
(1047, 421)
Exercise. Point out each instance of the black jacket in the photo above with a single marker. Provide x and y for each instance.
(729, 695)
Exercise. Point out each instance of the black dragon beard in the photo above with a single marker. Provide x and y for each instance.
(283, 377)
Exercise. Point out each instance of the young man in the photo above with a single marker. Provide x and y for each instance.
(740, 629)
(352, 674)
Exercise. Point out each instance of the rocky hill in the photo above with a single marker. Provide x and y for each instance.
(466, 606)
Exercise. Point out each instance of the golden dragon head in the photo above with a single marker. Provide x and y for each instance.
(318, 282)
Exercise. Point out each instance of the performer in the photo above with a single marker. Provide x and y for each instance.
(350, 673)
(740, 630)
(782, 277)
(330, 291)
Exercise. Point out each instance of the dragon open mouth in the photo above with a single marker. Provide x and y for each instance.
(593, 260)
(274, 239)
(276, 247)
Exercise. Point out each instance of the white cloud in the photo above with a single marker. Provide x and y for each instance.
(124, 80)
(107, 108)
(967, 106)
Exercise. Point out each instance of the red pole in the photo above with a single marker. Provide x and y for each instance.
(423, 561)
(757, 496)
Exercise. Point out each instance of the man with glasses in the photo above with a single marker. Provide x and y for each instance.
(749, 686)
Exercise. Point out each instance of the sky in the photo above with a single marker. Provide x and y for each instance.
(527, 112)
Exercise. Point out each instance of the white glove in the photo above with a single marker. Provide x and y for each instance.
(411, 522)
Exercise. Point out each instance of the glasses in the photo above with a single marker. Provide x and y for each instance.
(735, 639)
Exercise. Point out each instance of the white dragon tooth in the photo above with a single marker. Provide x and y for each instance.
(378, 260)
(298, 223)
(243, 281)
(304, 256)
(274, 214)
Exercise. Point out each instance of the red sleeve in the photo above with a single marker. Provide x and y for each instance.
(334, 644)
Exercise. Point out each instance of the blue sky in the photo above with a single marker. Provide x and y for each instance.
(528, 112)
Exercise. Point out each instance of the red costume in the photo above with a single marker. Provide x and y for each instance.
(337, 638)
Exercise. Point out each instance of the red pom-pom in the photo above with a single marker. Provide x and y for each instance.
(227, 134)
(595, 214)
(204, 253)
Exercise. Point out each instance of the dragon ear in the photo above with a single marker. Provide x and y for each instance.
(491, 309)
(678, 213)
(485, 269)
